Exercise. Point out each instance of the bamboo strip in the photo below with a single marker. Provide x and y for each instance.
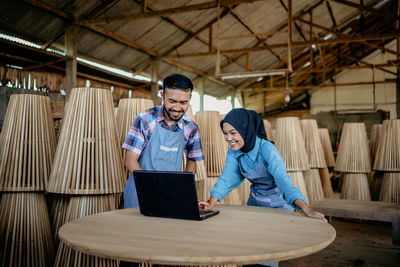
(390, 190)
(88, 158)
(27, 144)
(79, 207)
(268, 130)
(290, 143)
(354, 154)
(214, 145)
(326, 182)
(298, 181)
(387, 157)
(355, 186)
(312, 141)
(327, 147)
(58, 210)
(376, 134)
(313, 185)
(25, 234)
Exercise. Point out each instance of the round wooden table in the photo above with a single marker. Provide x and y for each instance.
(238, 235)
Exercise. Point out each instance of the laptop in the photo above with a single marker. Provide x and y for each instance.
(169, 194)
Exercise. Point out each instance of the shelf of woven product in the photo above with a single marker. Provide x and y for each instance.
(316, 159)
(25, 234)
(27, 144)
(354, 161)
(88, 158)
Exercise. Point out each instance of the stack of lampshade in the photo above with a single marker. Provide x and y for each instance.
(290, 143)
(376, 176)
(87, 173)
(27, 146)
(387, 159)
(316, 160)
(268, 130)
(354, 160)
(214, 149)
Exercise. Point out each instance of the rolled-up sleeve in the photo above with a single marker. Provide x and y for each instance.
(193, 147)
(277, 168)
(230, 178)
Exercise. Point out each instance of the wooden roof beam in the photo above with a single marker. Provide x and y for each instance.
(368, 64)
(295, 24)
(368, 8)
(166, 12)
(328, 6)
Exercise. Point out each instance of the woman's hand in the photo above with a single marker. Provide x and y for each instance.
(209, 204)
(309, 211)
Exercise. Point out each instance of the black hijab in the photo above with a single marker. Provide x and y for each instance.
(248, 124)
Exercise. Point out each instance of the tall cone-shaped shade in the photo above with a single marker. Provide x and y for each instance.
(327, 146)
(79, 207)
(289, 141)
(27, 144)
(57, 212)
(313, 185)
(354, 154)
(315, 152)
(214, 145)
(390, 188)
(88, 158)
(355, 186)
(376, 134)
(25, 234)
(268, 130)
(298, 181)
(387, 157)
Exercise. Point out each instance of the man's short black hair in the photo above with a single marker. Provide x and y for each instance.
(177, 81)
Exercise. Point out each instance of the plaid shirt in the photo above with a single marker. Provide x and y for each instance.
(145, 123)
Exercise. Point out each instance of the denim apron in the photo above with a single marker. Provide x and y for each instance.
(163, 152)
(264, 193)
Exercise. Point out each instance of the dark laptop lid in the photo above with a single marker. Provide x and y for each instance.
(167, 194)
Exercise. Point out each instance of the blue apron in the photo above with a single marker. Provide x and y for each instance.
(264, 193)
(163, 152)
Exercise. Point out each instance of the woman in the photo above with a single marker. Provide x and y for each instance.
(253, 157)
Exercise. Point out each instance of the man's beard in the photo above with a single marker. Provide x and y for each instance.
(170, 116)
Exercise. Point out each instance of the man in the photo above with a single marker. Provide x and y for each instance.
(159, 136)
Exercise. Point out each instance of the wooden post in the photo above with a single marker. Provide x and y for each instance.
(70, 58)
(155, 73)
(233, 95)
(398, 67)
(290, 21)
(200, 86)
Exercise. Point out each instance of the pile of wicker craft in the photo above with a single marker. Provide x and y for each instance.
(354, 161)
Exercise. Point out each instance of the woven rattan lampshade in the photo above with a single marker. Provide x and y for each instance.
(88, 157)
(268, 130)
(289, 141)
(314, 149)
(390, 189)
(387, 156)
(214, 145)
(313, 185)
(327, 147)
(298, 181)
(354, 154)
(27, 144)
(79, 207)
(25, 234)
(355, 186)
(376, 134)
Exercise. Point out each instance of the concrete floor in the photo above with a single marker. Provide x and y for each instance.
(357, 244)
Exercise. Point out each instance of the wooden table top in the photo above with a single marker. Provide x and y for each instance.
(238, 235)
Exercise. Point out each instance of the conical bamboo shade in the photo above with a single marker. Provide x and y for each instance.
(390, 189)
(327, 146)
(387, 157)
(375, 184)
(354, 154)
(313, 185)
(376, 134)
(314, 149)
(326, 182)
(88, 158)
(25, 234)
(355, 186)
(58, 211)
(268, 130)
(290, 143)
(79, 207)
(27, 144)
(298, 181)
(214, 145)
(233, 198)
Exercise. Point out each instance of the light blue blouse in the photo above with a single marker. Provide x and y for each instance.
(263, 151)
